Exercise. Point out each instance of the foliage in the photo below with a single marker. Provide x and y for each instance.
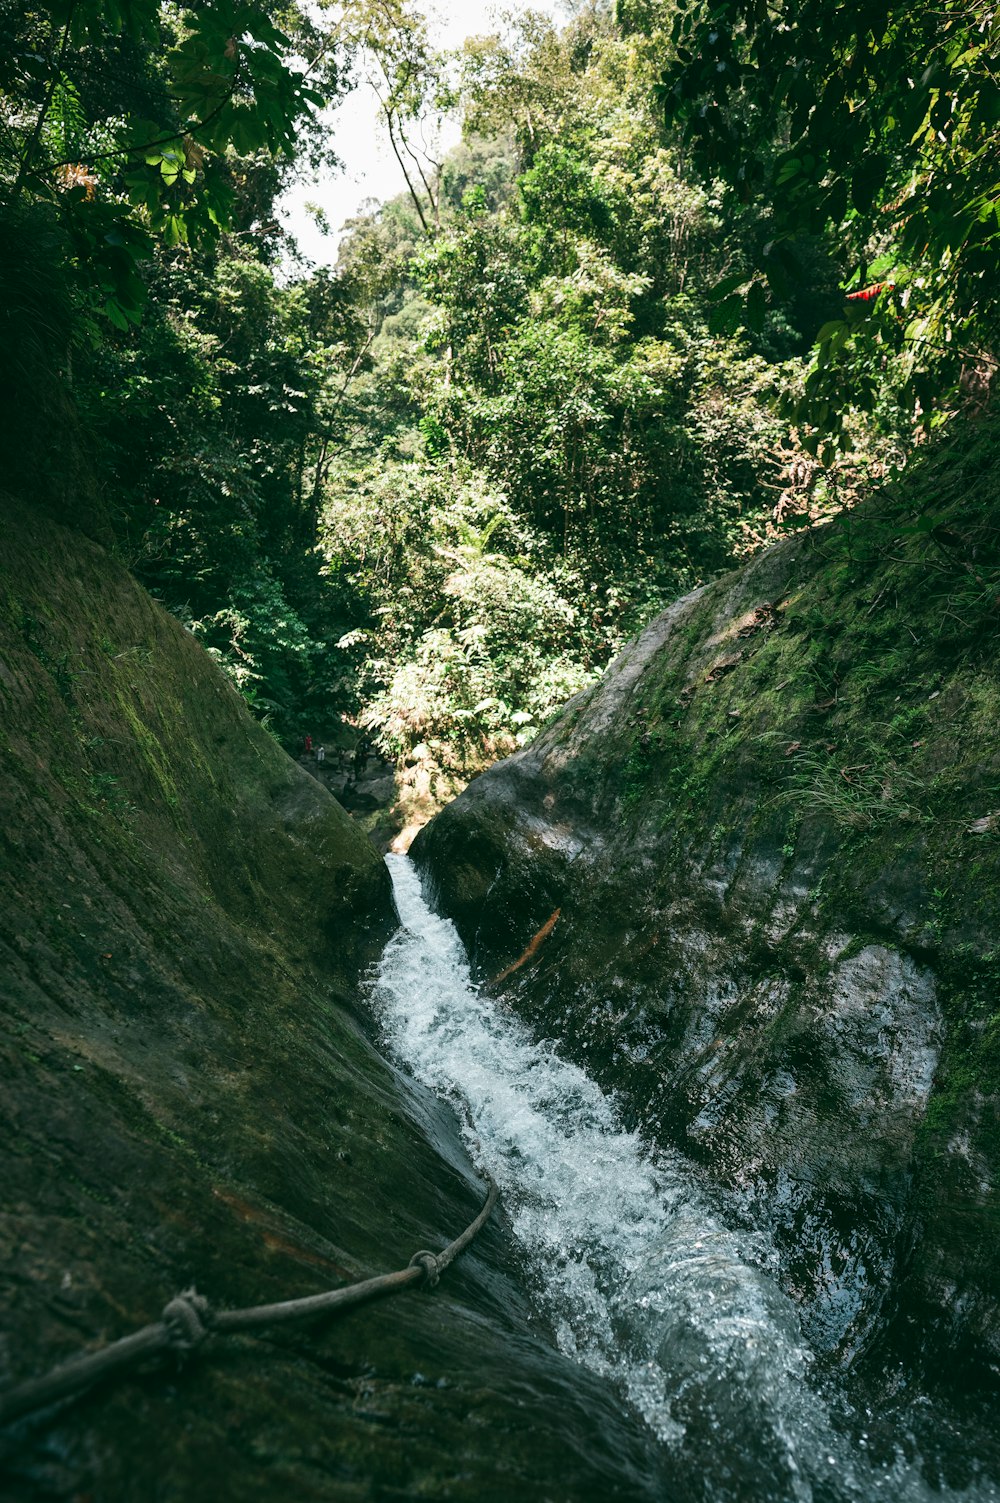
(264, 645)
(878, 125)
(411, 84)
(550, 343)
(217, 424)
(432, 490)
(132, 138)
(467, 645)
(123, 118)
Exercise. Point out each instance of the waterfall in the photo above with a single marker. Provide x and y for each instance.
(639, 1277)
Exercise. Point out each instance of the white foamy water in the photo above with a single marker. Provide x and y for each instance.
(639, 1278)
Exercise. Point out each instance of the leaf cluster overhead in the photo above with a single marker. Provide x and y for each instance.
(880, 123)
(127, 119)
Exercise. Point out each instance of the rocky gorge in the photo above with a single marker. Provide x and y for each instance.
(747, 883)
(193, 1094)
(750, 880)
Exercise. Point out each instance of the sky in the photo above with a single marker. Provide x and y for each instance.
(370, 170)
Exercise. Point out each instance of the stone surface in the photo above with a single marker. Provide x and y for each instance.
(191, 1093)
(776, 931)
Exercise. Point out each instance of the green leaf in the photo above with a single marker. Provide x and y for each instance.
(866, 181)
(836, 200)
(115, 314)
(756, 307)
(725, 317)
(728, 284)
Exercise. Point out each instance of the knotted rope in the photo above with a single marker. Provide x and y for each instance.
(185, 1319)
(430, 1264)
(188, 1320)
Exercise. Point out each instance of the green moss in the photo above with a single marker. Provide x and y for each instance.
(151, 750)
(872, 708)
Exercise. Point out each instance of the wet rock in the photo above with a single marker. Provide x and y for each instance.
(191, 1093)
(770, 945)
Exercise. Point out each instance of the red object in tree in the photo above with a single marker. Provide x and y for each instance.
(868, 294)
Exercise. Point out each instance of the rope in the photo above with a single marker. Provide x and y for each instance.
(189, 1319)
(185, 1319)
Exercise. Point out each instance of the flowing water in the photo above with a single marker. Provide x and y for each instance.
(639, 1277)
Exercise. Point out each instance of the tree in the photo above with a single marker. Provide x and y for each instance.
(410, 81)
(121, 118)
(880, 124)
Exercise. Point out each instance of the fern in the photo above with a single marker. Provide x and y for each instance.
(65, 129)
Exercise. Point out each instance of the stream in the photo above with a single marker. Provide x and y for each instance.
(638, 1275)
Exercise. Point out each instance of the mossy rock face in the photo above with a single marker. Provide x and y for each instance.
(771, 837)
(191, 1094)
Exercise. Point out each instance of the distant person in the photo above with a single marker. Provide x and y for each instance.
(308, 744)
(360, 758)
(321, 754)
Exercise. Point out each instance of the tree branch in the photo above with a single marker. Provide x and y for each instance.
(191, 129)
(389, 119)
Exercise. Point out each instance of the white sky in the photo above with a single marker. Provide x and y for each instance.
(370, 169)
